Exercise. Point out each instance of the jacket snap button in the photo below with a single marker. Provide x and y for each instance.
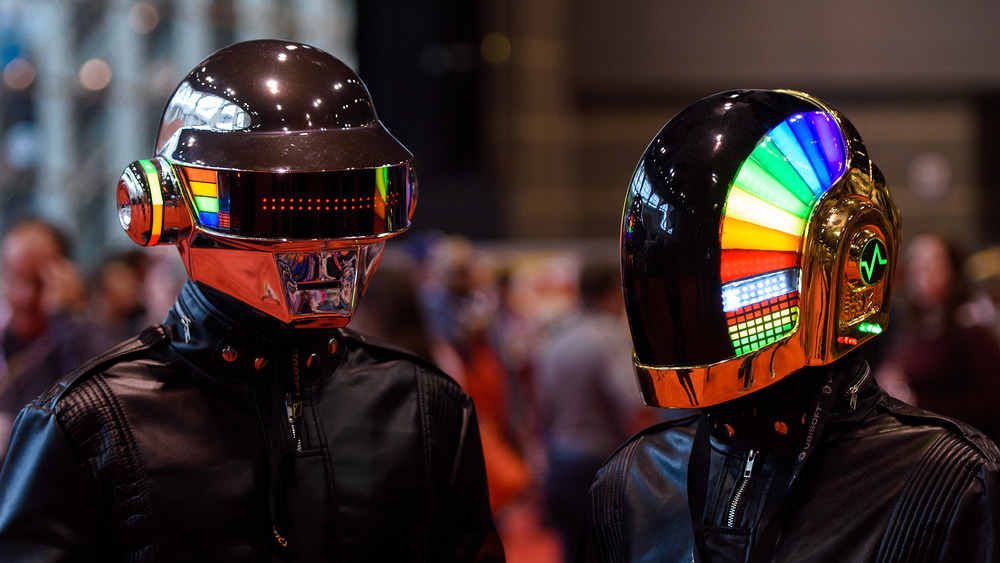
(260, 363)
(332, 346)
(229, 354)
(312, 360)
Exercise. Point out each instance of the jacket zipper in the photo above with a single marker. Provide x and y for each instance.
(852, 391)
(290, 409)
(741, 486)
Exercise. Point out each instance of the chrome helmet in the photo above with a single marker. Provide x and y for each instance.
(276, 180)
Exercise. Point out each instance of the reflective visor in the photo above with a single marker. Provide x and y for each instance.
(300, 205)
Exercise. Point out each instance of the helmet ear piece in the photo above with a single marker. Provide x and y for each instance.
(865, 286)
(151, 208)
(412, 179)
(847, 275)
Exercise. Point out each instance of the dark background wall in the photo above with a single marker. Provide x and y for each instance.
(547, 139)
(526, 116)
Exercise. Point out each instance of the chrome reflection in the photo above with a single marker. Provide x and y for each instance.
(320, 282)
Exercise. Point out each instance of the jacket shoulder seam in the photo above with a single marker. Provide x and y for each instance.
(148, 338)
(971, 437)
(608, 492)
(917, 526)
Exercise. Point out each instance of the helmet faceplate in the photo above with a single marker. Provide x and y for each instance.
(757, 238)
(276, 180)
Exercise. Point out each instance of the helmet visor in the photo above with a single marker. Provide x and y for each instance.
(363, 203)
(713, 255)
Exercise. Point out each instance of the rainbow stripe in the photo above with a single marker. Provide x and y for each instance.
(204, 189)
(155, 200)
(763, 226)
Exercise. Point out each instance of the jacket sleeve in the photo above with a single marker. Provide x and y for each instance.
(974, 529)
(601, 531)
(46, 507)
(464, 530)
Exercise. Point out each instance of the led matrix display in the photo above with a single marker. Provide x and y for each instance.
(764, 222)
(315, 205)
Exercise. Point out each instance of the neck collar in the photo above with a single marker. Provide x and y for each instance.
(776, 418)
(230, 339)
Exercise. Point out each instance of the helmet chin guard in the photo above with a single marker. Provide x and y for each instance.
(298, 286)
(757, 238)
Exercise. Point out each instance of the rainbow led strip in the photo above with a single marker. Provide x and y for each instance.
(205, 196)
(764, 223)
(155, 201)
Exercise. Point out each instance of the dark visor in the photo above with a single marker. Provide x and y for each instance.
(300, 205)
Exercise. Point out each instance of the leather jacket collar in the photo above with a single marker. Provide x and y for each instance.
(775, 417)
(229, 339)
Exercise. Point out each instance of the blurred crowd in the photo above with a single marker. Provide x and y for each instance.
(54, 317)
(538, 338)
(940, 351)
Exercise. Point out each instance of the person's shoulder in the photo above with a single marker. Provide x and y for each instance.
(128, 350)
(667, 439)
(370, 353)
(939, 430)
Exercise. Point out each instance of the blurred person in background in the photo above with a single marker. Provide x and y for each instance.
(43, 332)
(587, 399)
(515, 337)
(939, 357)
(983, 272)
(252, 424)
(392, 312)
(461, 306)
(117, 298)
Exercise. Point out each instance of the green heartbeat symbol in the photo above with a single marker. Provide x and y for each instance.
(877, 259)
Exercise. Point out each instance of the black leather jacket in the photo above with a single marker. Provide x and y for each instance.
(883, 482)
(209, 439)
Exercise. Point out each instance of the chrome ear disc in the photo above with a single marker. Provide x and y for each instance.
(151, 208)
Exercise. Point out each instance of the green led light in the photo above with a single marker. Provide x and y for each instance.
(206, 204)
(870, 328)
(770, 158)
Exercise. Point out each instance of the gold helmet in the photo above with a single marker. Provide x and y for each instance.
(757, 238)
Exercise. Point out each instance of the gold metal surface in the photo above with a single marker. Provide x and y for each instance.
(832, 302)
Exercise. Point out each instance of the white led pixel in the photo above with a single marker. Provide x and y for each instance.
(748, 291)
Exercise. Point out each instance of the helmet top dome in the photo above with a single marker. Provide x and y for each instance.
(270, 105)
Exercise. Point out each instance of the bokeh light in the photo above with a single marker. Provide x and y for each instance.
(143, 17)
(18, 74)
(95, 74)
(495, 48)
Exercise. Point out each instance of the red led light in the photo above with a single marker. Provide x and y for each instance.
(847, 340)
(317, 204)
(737, 264)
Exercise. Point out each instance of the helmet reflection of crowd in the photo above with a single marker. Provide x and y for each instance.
(940, 356)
